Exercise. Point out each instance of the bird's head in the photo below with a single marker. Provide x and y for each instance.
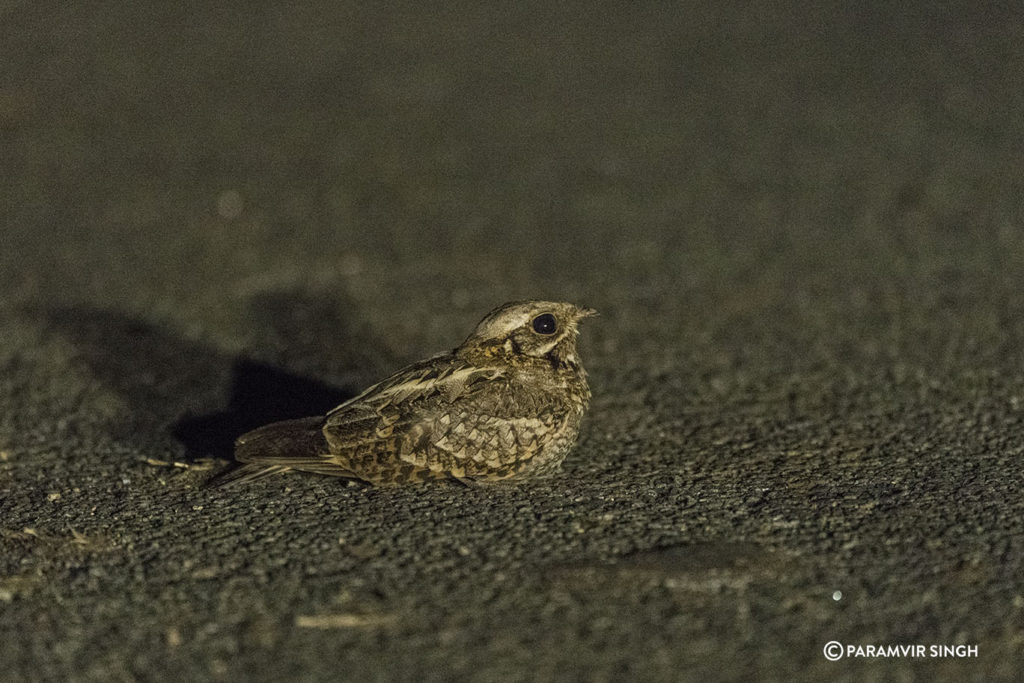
(537, 329)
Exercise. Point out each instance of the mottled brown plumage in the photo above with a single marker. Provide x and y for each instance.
(506, 405)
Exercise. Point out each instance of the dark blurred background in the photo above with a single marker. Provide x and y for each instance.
(801, 222)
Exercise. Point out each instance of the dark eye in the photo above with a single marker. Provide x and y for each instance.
(545, 324)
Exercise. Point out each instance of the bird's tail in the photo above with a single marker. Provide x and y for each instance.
(273, 449)
(242, 474)
(281, 441)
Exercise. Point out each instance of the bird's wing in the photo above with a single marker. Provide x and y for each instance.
(396, 405)
(495, 426)
(423, 378)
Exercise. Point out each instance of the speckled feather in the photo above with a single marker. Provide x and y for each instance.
(506, 405)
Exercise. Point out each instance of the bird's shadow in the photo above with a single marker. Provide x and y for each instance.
(260, 394)
(167, 382)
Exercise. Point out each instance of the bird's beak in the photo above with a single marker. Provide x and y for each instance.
(582, 313)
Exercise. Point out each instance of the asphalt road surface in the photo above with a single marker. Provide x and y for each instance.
(803, 227)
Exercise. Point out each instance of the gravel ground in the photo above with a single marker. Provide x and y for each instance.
(803, 227)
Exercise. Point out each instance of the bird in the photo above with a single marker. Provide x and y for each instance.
(504, 406)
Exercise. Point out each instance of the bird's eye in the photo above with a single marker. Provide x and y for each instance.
(545, 324)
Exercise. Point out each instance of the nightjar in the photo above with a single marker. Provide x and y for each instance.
(506, 405)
